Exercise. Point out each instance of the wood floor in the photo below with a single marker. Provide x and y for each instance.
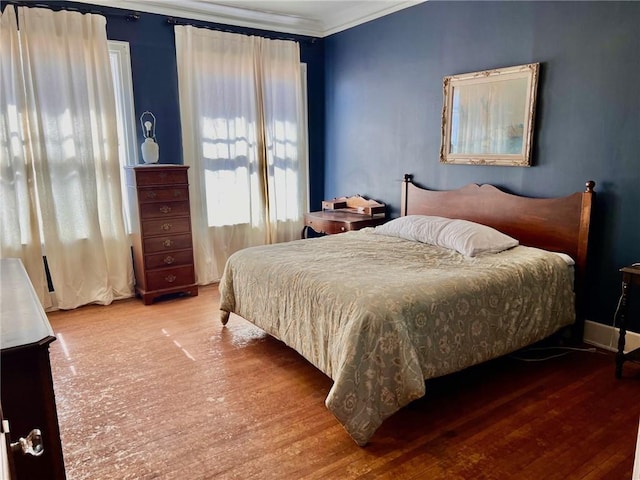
(164, 391)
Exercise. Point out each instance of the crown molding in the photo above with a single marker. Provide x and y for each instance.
(345, 19)
(224, 14)
(340, 19)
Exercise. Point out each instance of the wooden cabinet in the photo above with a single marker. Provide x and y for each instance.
(28, 398)
(161, 230)
(630, 276)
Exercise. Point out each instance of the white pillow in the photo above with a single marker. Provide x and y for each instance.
(467, 238)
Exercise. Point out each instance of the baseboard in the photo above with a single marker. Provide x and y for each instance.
(606, 337)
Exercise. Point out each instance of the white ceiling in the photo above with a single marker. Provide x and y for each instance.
(316, 18)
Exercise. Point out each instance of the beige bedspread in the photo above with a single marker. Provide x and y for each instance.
(380, 314)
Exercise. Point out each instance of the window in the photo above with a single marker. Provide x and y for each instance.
(226, 175)
(123, 87)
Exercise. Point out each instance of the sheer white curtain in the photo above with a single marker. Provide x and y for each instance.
(241, 115)
(19, 231)
(70, 118)
(282, 101)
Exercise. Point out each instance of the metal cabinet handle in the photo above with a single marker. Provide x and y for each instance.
(165, 209)
(32, 445)
(170, 278)
(169, 259)
(167, 243)
(166, 226)
(151, 194)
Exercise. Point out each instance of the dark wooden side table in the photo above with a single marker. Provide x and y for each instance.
(630, 276)
(335, 221)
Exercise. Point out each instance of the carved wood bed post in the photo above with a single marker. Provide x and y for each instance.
(405, 197)
(581, 261)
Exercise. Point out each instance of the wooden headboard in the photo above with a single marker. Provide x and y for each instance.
(555, 224)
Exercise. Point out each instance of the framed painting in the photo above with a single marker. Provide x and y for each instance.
(487, 117)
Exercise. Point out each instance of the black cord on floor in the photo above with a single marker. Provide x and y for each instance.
(564, 351)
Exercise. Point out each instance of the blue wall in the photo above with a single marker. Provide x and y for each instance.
(384, 102)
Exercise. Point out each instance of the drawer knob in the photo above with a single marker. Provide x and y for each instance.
(32, 445)
(170, 278)
(342, 228)
(177, 193)
(169, 259)
(165, 209)
(167, 243)
(165, 226)
(152, 194)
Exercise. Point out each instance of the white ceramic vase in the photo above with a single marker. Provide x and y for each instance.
(150, 150)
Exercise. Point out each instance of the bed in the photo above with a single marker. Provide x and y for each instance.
(383, 309)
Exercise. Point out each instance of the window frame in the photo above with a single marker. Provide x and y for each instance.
(124, 99)
(120, 54)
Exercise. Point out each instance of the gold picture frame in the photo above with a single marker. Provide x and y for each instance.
(488, 116)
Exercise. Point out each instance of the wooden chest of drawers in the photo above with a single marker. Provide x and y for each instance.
(161, 230)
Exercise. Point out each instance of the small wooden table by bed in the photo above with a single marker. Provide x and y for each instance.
(335, 221)
(630, 276)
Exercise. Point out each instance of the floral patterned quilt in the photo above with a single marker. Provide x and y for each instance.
(380, 314)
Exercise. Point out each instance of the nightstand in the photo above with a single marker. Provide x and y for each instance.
(335, 221)
(630, 276)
